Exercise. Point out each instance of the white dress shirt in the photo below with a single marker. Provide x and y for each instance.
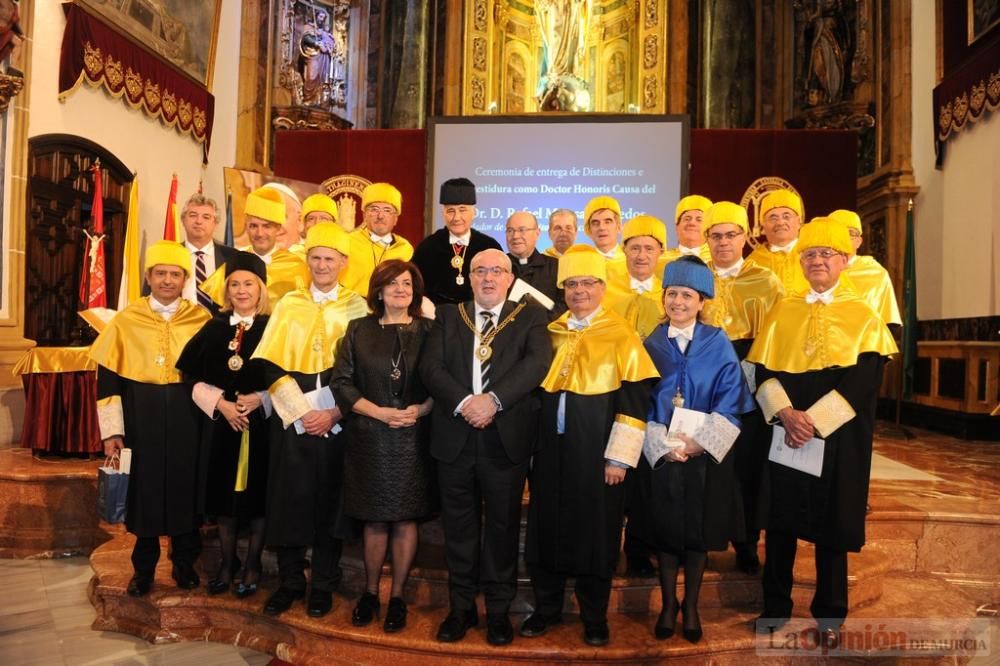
(477, 366)
(824, 297)
(641, 286)
(460, 240)
(730, 272)
(383, 240)
(785, 249)
(320, 297)
(165, 311)
(683, 336)
(685, 250)
(235, 319)
(573, 324)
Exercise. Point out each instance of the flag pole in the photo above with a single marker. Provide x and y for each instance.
(907, 322)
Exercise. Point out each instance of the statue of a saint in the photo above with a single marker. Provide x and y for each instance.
(563, 25)
(316, 49)
(826, 73)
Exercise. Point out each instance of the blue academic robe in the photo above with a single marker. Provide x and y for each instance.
(695, 505)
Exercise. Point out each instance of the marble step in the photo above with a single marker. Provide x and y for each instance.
(168, 614)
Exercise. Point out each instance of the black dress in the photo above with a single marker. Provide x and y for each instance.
(205, 359)
(387, 471)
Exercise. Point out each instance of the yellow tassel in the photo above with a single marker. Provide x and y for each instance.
(243, 466)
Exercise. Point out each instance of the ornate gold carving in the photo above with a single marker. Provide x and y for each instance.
(649, 51)
(651, 12)
(311, 63)
(649, 92)
(479, 14)
(10, 86)
(478, 93)
(479, 53)
(346, 190)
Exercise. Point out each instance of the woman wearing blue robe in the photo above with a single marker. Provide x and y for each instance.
(694, 498)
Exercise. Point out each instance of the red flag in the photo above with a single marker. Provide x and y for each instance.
(170, 224)
(93, 292)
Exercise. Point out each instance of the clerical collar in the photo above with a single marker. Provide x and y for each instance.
(684, 249)
(523, 261)
(266, 258)
(854, 257)
(386, 240)
(610, 254)
(320, 297)
(206, 249)
(732, 271)
(460, 240)
(785, 248)
(579, 324)
(235, 319)
(641, 286)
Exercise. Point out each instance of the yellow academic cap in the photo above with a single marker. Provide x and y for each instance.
(168, 253)
(266, 203)
(582, 261)
(328, 234)
(645, 225)
(726, 212)
(319, 203)
(384, 193)
(848, 218)
(825, 232)
(600, 203)
(780, 199)
(691, 202)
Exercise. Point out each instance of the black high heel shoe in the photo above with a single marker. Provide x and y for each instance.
(692, 633)
(663, 630)
(243, 589)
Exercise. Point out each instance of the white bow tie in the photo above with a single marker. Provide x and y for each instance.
(235, 319)
(826, 297)
(323, 298)
(161, 309)
(385, 240)
(674, 332)
(641, 286)
(783, 249)
(689, 250)
(455, 240)
(730, 272)
(576, 324)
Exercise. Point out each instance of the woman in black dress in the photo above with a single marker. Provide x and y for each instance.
(217, 358)
(387, 474)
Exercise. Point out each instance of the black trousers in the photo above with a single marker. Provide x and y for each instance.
(481, 494)
(592, 594)
(325, 564)
(830, 600)
(184, 549)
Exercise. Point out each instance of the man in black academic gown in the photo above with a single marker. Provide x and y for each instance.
(530, 265)
(142, 404)
(482, 363)
(444, 257)
(819, 357)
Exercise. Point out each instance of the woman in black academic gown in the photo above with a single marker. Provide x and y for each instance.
(234, 431)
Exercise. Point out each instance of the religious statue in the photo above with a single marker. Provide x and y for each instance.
(563, 25)
(10, 29)
(829, 52)
(317, 47)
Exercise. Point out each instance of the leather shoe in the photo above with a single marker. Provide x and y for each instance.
(395, 616)
(185, 576)
(140, 585)
(282, 600)
(667, 622)
(596, 635)
(829, 637)
(499, 630)
(456, 624)
(537, 624)
(691, 625)
(768, 623)
(320, 602)
(365, 610)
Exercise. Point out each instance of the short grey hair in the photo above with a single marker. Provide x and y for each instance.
(490, 251)
(563, 211)
(199, 199)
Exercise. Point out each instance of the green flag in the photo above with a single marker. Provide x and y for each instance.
(910, 307)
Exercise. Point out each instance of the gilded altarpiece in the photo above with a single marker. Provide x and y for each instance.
(526, 56)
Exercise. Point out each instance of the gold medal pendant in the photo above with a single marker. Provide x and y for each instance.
(457, 261)
(235, 362)
(234, 344)
(678, 399)
(317, 345)
(459, 280)
(484, 352)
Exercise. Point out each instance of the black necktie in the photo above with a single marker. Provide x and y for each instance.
(199, 276)
(484, 333)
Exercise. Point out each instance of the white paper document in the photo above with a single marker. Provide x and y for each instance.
(686, 421)
(321, 398)
(808, 459)
(520, 288)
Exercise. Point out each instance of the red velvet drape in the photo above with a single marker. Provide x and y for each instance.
(821, 164)
(61, 412)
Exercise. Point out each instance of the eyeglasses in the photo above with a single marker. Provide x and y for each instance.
(729, 235)
(780, 217)
(583, 284)
(375, 210)
(825, 253)
(515, 231)
(483, 271)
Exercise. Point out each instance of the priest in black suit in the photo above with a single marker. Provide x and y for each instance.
(530, 265)
(445, 256)
(482, 364)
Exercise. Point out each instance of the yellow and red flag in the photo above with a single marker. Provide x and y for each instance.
(131, 282)
(170, 225)
(93, 291)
